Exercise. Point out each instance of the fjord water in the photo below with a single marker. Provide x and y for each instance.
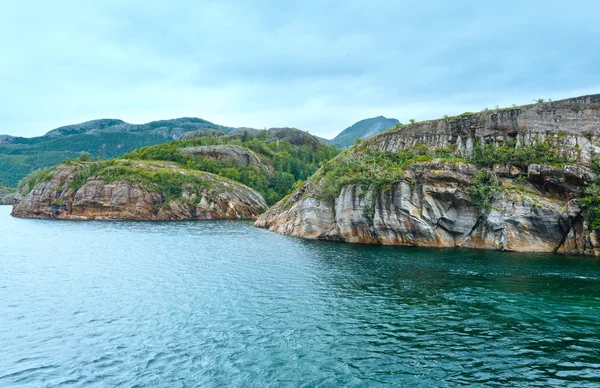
(188, 304)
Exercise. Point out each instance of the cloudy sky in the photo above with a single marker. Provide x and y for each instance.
(317, 65)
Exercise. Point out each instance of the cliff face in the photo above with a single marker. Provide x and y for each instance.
(200, 196)
(535, 208)
(575, 122)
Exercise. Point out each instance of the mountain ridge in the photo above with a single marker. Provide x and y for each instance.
(363, 129)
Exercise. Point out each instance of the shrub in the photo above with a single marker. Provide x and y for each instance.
(591, 203)
(38, 176)
(542, 152)
(485, 186)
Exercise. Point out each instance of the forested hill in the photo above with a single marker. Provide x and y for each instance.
(272, 162)
(105, 138)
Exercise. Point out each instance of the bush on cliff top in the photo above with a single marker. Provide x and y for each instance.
(547, 152)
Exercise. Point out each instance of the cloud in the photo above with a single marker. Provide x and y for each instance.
(317, 65)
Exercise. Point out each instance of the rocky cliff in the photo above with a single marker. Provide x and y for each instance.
(133, 190)
(513, 179)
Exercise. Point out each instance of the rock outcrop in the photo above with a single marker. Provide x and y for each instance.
(194, 195)
(237, 154)
(8, 199)
(200, 133)
(537, 207)
(7, 195)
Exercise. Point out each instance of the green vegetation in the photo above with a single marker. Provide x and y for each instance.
(485, 186)
(103, 138)
(168, 181)
(18, 160)
(282, 165)
(591, 202)
(591, 199)
(290, 163)
(5, 190)
(364, 165)
(542, 152)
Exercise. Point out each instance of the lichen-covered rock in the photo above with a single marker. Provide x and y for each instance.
(208, 197)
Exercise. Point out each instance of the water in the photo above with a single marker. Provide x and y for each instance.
(103, 304)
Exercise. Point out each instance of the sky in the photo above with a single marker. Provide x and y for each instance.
(316, 65)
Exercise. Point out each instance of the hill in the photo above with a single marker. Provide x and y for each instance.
(363, 130)
(104, 138)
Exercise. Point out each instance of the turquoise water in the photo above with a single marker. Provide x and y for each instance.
(103, 304)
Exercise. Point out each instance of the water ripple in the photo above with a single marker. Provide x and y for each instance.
(86, 304)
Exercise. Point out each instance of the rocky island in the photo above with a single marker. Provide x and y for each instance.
(517, 179)
(134, 190)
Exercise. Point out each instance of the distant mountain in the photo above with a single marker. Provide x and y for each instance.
(363, 129)
(105, 138)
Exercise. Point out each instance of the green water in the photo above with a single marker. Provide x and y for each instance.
(202, 304)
